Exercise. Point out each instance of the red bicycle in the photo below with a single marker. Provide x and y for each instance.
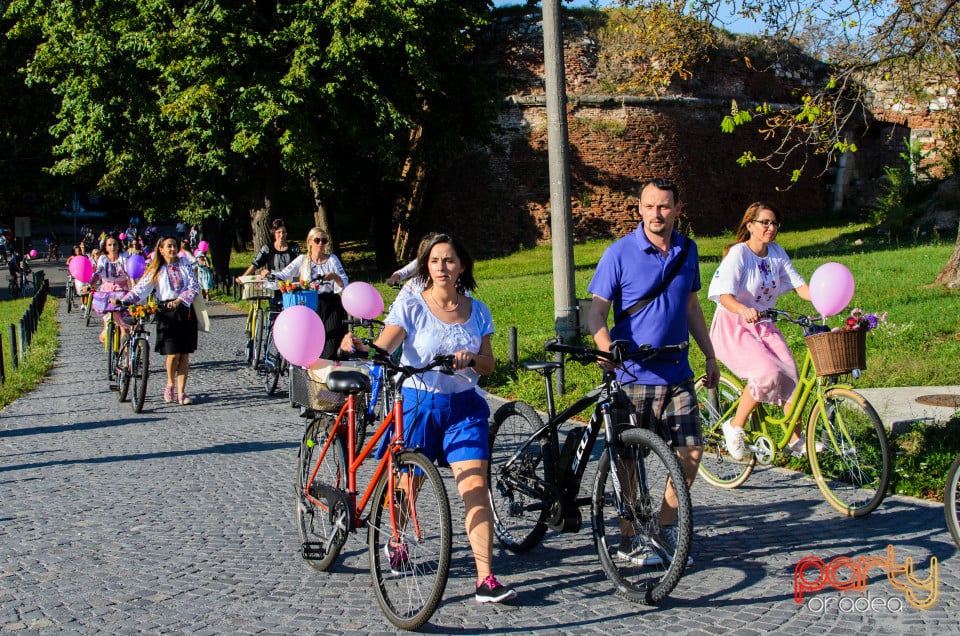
(408, 524)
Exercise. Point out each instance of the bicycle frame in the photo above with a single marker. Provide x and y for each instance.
(343, 427)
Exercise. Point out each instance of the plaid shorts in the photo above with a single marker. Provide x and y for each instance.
(671, 410)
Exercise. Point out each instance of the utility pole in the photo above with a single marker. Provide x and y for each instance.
(564, 288)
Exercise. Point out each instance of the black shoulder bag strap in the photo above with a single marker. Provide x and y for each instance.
(646, 300)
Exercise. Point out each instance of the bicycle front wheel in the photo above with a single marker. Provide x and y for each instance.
(141, 371)
(70, 292)
(717, 467)
(518, 493)
(410, 541)
(89, 308)
(951, 494)
(323, 511)
(852, 469)
(633, 479)
(111, 362)
(123, 373)
(271, 367)
(258, 328)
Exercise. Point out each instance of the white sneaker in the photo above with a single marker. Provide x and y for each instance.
(733, 436)
(633, 550)
(799, 447)
(669, 536)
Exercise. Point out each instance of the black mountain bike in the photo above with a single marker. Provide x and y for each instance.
(535, 483)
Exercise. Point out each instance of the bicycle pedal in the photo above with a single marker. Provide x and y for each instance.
(312, 551)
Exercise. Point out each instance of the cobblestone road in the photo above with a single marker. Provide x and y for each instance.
(180, 520)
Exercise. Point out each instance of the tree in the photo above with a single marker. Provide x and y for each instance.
(212, 109)
(912, 47)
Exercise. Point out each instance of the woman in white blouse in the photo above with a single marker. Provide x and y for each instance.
(323, 272)
(175, 284)
(754, 272)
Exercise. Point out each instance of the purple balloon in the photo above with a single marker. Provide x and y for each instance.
(81, 268)
(831, 288)
(362, 300)
(299, 335)
(135, 266)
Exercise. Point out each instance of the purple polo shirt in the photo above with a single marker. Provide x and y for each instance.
(630, 269)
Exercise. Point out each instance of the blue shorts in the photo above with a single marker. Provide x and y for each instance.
(447, 427)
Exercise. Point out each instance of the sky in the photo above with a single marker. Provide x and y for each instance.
(739, 26)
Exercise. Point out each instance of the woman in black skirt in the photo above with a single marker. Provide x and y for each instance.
(176, 286)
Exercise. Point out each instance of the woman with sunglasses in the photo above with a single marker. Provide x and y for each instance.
(110, 279)
(324, 272)
(754, 272)
(176, 286)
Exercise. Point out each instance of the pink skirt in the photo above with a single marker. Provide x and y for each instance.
(756, 352)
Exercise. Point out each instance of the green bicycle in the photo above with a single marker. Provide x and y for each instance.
(846, 443)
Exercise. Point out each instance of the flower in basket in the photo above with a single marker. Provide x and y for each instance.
(860, 320)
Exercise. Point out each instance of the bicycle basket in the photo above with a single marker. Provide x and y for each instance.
(308, 387)
(255, 289)
(837, 352)
(308, 297)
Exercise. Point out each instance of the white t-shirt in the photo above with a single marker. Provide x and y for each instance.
(755, 282)
(427, 336)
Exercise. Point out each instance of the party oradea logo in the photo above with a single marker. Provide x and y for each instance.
(842, 573)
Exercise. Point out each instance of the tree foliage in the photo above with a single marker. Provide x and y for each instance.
(205, 109)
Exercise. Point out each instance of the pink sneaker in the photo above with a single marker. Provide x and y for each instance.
(168, 394)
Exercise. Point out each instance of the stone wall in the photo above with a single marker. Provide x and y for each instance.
(499, 197)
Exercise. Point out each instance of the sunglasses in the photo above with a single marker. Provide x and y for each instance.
(767, 222)
(320, 241)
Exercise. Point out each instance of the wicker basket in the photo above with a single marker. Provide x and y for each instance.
(308, 388)
(255, 289)
(837, 352)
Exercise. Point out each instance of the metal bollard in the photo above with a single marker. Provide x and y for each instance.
(514, 363)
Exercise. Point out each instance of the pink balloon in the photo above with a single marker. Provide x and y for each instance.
(81, 268)
(33, 253)
(122, 236)
(135, 266)
(299, 335)
(362, 300)
(203, 246)
(831, 288)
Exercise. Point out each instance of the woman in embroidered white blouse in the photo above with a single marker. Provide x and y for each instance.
(176, 286)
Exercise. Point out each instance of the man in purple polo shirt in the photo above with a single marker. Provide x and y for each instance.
(662, 390)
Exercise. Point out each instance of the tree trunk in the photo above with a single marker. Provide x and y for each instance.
(321, 218)
(949, 276)
(409, 200)
(219, 233)
(262, 195)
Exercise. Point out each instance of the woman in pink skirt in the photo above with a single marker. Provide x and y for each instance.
(754, 272)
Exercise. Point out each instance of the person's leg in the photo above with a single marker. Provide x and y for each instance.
(183, 367)
(471, 478)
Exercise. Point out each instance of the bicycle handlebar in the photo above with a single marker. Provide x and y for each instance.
(443, 362)
(806, 322)
(618, 353)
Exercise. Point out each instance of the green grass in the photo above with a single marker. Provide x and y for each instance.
(40, 355)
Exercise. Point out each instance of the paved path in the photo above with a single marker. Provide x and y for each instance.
(180, 520)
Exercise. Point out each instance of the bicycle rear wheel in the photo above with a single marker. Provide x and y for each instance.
(324, 517)
(951, 495)
(141, 371)
(410, 560)
(518, 494)
(626, 527)
(717, 467)
(853, 469)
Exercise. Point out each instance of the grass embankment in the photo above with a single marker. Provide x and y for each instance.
(40, 354)
(917, 346)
